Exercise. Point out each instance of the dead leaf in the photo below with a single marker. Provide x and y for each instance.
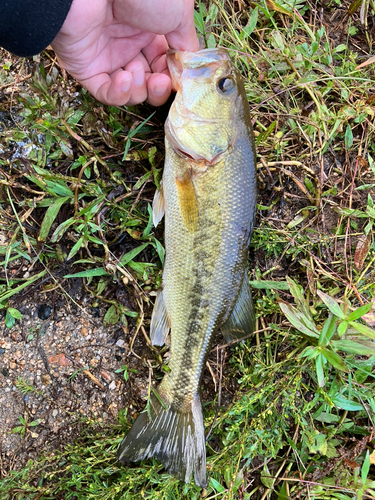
(354, 6)
(371, 99)
(59, 359)
(278, 8)
(366, 63)
(369, 318)
(351, 464)
(361, 252)
(105, 375)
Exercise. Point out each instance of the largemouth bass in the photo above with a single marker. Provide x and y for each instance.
(208, 196)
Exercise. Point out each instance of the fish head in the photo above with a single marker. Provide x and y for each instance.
(201, 124)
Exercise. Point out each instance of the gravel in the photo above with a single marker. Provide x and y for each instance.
(70, 359)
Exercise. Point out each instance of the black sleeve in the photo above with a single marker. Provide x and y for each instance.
(28, 26)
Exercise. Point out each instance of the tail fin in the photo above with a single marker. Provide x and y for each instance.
(174, 437)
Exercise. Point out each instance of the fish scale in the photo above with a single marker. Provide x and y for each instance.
(208, 197)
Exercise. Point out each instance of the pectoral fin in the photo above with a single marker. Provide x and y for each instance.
(188, 202)
(158, 206)
(160, 325)
(241, 322)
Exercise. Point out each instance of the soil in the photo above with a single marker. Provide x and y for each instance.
(63, 350)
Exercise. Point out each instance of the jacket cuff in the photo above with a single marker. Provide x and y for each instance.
(28, 27)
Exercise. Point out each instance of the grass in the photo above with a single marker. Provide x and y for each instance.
(299, 422)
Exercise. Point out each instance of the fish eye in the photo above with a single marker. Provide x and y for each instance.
(226, 84)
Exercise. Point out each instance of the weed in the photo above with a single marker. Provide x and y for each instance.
(340, 332)
(124, 371)
(11, 316)
(25, 426)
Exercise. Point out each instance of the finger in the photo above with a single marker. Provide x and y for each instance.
(159, 88)
(160, 65)
(156, 87)
(131, 86)
(184, 38)
(173, 17)
(123, 87)
(155, 52)
(139, 87)
(114, 89)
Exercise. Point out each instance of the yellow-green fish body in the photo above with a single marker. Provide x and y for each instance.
(209, 199)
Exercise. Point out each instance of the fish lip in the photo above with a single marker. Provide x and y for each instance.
(179, 60)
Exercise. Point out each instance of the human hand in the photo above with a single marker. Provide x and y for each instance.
(116, 48)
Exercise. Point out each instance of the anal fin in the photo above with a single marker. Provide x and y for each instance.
(158, 206)
(160, 324)
(241, 321)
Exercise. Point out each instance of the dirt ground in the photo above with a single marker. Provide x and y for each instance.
(60, 347)
(63, 350)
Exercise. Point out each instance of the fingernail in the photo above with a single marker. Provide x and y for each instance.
(138, 76)
(160, 90)
(126, 84)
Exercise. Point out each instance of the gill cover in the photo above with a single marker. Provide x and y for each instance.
(200, 125)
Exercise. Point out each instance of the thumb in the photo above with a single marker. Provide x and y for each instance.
(184, 38)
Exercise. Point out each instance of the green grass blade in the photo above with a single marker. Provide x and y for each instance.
(331, 304)
(133, 253)
(10, 293)
(50, 217)
(88, 274)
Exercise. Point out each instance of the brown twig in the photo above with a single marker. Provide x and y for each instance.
(139, 325)
(16, 82)
(86, 372)
(137, 199)
(76, 136)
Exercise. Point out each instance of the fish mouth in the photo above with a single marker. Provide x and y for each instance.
(198, 158)
(202, 63)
